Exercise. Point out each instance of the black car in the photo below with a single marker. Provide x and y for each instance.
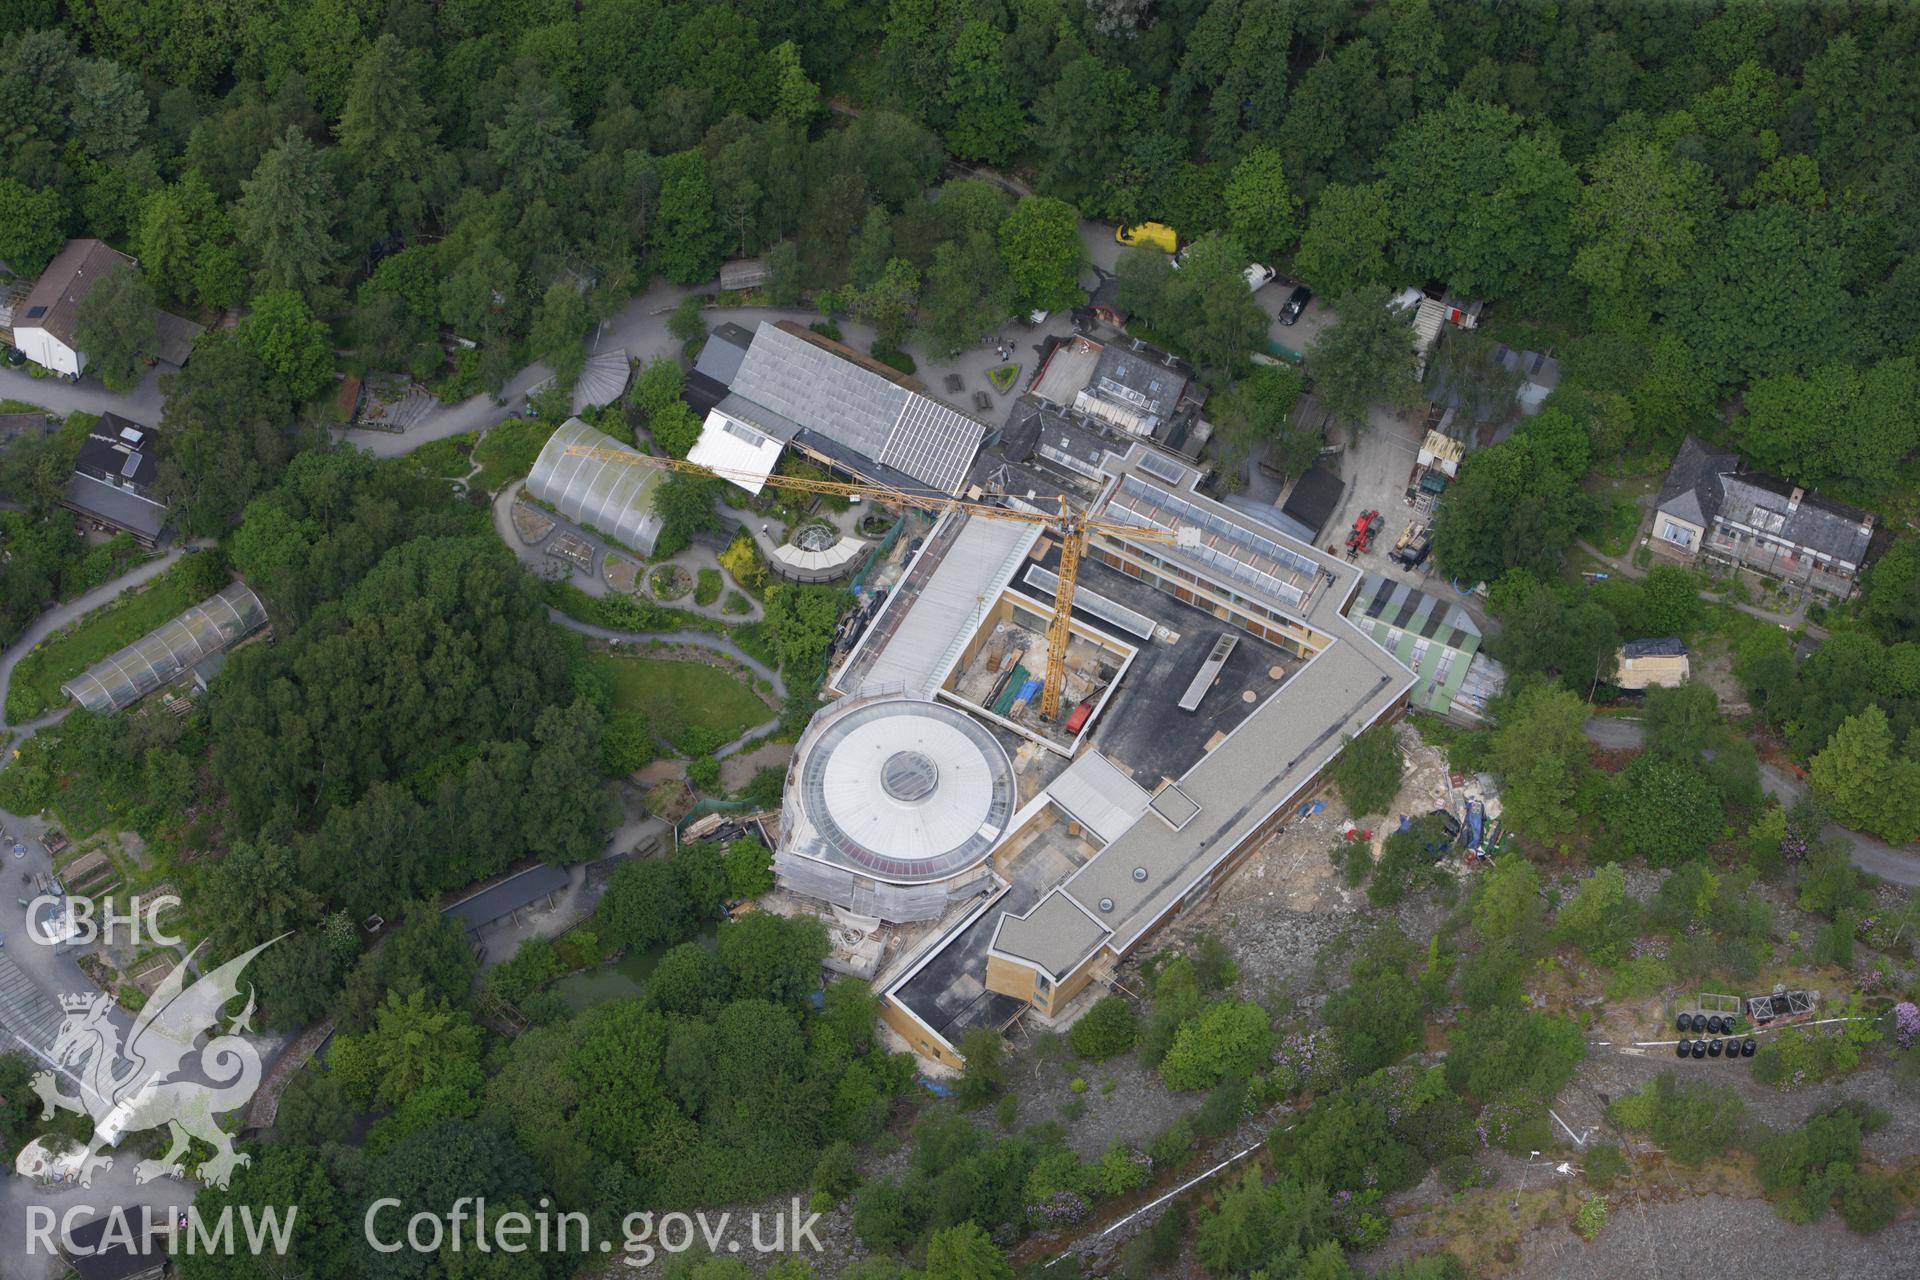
(15, 357)
(1295, 304)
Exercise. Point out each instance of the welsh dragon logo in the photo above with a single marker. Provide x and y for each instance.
(137, 1085)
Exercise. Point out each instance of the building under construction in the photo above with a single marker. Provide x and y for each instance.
(1019, 856)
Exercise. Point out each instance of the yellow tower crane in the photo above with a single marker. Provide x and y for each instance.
(1071, 527)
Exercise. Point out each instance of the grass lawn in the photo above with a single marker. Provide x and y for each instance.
(674, 694)
(64, 655)
(1619, 499)
(507, 452)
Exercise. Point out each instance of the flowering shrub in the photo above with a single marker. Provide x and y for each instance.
(1061, 1209)
(1906, 1024)
(1309, 1058)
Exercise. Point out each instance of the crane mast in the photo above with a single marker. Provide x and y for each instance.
(1071, 527)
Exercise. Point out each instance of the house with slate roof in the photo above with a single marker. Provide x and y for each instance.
(1713, 505)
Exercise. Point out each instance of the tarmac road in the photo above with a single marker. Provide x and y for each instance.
(1872, 855)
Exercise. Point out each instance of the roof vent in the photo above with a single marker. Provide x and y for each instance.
(1140, 875)
(1106, 904)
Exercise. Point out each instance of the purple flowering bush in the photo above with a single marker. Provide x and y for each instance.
(1906, 1024)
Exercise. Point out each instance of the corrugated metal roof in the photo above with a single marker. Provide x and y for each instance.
(945, 608)
(856, 408)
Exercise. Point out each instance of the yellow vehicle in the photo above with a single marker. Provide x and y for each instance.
(1158, 234)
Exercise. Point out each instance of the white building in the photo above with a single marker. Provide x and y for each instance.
(43, 325)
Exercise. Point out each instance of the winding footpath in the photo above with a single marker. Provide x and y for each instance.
(1870, 854)
(65, 614)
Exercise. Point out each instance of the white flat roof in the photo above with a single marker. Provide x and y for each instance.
(949, 605)
(1096, 794)
(740, 454)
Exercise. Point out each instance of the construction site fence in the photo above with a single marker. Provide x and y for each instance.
(878, 552)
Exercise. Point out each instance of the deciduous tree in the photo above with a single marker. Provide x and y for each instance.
(1365, 357)
(1541, 753)
(688, 241)
(293, 346)
(1040, 241)
(1344, 246)
(32, 226)
(1262, 212)
(114, 326)
(559, 328)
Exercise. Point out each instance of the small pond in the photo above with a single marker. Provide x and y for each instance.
(621, 979)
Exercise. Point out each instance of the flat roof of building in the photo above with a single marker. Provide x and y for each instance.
(1142, 730)
(1261, 764)
(959, 571)
(1056, 933)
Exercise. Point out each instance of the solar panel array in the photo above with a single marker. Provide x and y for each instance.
(932, 443)
(1109, 611)
(1161, 468)
(1240, 553)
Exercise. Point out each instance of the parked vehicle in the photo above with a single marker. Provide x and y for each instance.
(1257, 275)
(1157, 235)
(1414, 553)
(1296, 303)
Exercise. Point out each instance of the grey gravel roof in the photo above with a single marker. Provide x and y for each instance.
(1274, 753)
(1057, 935)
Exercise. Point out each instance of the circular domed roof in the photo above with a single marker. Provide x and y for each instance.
(907, 790)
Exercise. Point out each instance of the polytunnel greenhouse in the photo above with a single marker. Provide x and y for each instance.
(169, 651)
(613, 498)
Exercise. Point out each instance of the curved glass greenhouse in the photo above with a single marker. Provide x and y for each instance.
(169, 651)
(611, 497)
